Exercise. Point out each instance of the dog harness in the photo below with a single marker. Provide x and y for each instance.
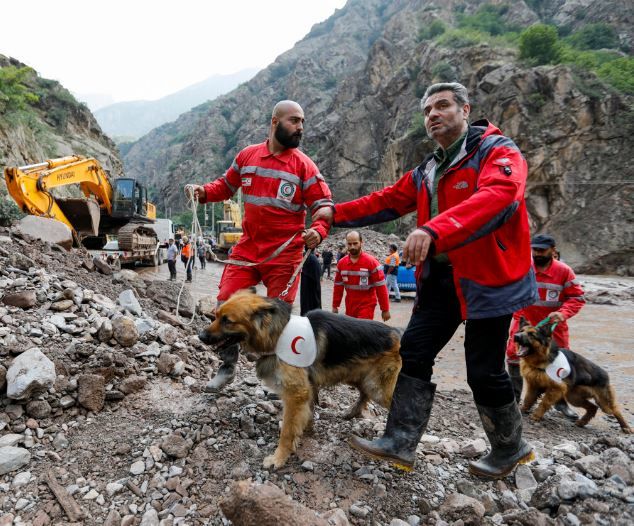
(296, 345)
(559, 369)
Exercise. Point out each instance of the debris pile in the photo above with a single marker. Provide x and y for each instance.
(102, 421)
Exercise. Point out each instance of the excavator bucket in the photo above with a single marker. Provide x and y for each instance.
(83, 214)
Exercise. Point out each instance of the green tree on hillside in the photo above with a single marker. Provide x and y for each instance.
(594, 36)
(540, 44)
(619, 73)
(488, 19)
(14, 94)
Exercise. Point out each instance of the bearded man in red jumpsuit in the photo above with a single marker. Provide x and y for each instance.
(279, 183)
(361, 276)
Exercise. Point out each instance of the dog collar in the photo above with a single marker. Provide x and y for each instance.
(296, 345)
(559, 368)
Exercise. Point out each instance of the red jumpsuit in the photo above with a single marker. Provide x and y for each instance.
(559, 291)
(276, 190)
(364, 282)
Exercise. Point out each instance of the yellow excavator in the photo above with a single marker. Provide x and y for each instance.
(229, 229)
(119, 209)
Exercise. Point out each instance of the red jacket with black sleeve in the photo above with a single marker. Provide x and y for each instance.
(277, 190)
(482, 223)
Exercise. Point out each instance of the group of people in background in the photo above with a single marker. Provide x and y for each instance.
(188, 254)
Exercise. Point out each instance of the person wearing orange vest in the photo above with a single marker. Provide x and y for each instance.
(392, 262)
(560, 297)
(187, 258)
(279, 184)
(361, 276)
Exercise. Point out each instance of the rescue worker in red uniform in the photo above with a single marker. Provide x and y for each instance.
(560, 298)
(279, 183)
(472, 251)
(361, 276)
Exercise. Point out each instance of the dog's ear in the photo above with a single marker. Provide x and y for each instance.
(523, 322)
(262, 312)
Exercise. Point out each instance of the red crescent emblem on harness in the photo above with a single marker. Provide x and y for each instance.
(559, 371)
(294, 342)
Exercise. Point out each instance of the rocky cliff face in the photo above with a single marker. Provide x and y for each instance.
(54, 125)
(359, 77)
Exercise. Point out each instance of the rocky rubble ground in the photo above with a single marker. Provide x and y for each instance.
(102, 422)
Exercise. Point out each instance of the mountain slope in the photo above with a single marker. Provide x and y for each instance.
(39, 120)
(136, 118)
(360, 75)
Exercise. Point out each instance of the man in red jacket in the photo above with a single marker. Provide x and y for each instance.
(472, 251)
(279, 183)
(560, 298)
(361, 276)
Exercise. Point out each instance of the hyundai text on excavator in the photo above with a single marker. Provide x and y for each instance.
(119, 209)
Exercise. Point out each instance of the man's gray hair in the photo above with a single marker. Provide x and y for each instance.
(459, 92)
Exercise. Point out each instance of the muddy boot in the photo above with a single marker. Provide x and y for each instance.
(406, 423)
(563, 407)
(503, 426)
(516, 380)
(227, 371)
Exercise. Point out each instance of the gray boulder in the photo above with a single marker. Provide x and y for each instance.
(46, 229)
(12, 458)
(29, 374)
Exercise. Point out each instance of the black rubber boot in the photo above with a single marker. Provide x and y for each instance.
(406, 423)
(503, 426)
(227, 371)
(563, 407)
(516, 380)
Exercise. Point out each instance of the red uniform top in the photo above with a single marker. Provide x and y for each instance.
(559, 291)
(363, 281)
(482, 223)
(277, 190)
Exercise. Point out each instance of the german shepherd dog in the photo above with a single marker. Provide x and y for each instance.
(537, 350)
(361, 353)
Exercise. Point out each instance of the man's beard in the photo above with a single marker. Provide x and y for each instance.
(542, 261)
(354, 251)
(287, 139)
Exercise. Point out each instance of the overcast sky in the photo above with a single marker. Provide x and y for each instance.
(142, 49)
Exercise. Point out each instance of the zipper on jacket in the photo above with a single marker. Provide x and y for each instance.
(500, 244)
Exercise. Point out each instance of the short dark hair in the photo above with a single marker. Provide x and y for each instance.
(460, 93)
(393, 247)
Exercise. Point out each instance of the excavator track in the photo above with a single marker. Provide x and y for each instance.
(136, 236)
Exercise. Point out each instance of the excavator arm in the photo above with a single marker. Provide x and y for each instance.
(30, 188)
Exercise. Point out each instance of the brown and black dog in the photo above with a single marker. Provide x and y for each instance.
(537, 350)
(360, 353)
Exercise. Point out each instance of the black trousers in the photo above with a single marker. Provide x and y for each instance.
(171, 265)
(435, 319)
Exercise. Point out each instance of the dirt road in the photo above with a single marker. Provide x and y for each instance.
(604, 333)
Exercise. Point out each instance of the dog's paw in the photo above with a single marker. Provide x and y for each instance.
(274, 461)
(536, 418)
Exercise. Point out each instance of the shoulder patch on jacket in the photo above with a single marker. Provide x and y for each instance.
(505, 165)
